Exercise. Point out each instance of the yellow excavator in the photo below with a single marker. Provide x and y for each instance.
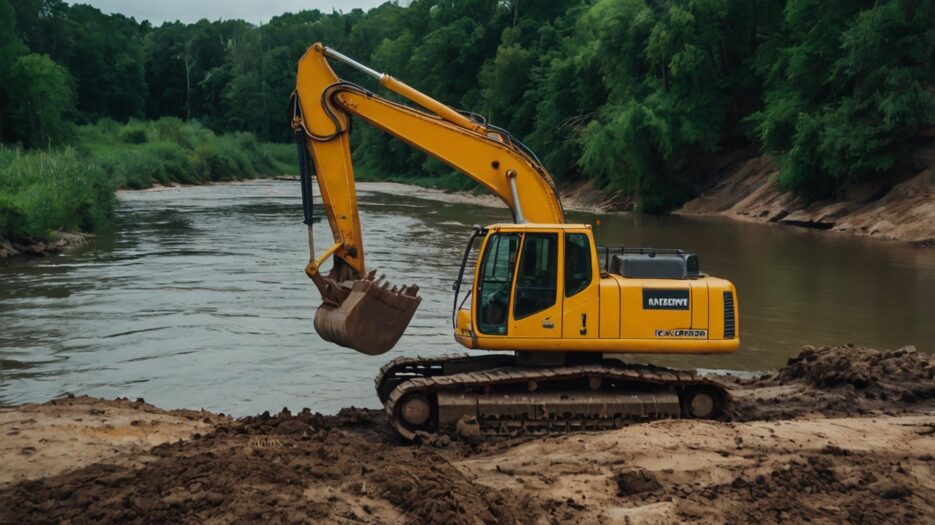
(541, 289)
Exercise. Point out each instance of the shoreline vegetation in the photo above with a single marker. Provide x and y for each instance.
(746, 191)
(50, 199)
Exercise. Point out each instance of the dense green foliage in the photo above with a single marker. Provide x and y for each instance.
(36, 84)
(847, 86)
(635, 94)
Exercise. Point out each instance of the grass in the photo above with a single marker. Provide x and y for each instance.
(41, 193)
(72, 188)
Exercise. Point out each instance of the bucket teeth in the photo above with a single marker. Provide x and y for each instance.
(371, 318)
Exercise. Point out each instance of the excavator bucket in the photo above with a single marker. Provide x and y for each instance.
(371, 318)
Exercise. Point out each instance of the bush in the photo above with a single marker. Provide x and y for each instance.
(172, 129)
(283, 157)
(12, 217)
(42, 193)
(174, 151)
(133, 135)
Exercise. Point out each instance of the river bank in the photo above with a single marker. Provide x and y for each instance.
(900, 207)
(743, 186)
(61, 242)
(50, 197)
(839, 434)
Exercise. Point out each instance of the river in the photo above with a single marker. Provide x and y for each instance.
(196, 296)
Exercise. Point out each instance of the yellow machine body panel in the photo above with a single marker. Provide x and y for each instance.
(539, 287)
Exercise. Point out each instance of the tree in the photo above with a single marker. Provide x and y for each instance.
(107, 64)
(11, 48)
(42, 99)
(847, 86)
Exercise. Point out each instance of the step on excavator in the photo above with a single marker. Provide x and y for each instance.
(543, 294)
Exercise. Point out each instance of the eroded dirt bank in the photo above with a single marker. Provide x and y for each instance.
(899, 208)
(838, 435)
(62, 242)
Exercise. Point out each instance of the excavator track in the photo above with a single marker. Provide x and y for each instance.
(492, 396)
(404, 368)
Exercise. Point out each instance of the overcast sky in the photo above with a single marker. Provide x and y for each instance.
(256, 11)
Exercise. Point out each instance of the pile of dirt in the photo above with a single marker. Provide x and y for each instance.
(834, 484)
(839, 381)
(845, 470)
(904, 375)
(282, 468)
(71, 432)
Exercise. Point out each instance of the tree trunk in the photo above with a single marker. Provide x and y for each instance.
(187, 58)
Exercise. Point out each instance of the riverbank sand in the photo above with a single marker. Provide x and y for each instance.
(838, 435)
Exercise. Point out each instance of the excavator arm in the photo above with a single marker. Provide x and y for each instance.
(359, 311)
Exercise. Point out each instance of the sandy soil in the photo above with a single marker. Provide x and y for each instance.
(901, 207)
(68, 433)
(838, 435)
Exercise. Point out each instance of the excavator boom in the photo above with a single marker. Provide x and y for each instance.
(358, 311)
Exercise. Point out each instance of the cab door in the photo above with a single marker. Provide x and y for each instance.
(536, 307)
(581, 298)
(493, 283)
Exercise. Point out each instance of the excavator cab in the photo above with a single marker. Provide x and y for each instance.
(546, 288)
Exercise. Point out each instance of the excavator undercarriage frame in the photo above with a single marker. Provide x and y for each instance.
(494, 395)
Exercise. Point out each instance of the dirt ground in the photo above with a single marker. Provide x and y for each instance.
(838, 435)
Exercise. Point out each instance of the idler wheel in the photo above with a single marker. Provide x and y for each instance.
(700, 404)
(415, 410)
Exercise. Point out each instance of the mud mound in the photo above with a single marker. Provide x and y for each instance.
(100, 406)
(271, 469)
(905, 374)
(841, 488)
(840, 381)
(815, 487)
(636, 482)
(360, 421)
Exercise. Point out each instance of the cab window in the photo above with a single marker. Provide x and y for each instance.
(496, 277)
(537, 274)
(577, 263)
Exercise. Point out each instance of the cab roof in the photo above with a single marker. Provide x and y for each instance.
(536, 226)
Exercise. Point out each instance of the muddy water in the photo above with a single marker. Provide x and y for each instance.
(196, 297)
